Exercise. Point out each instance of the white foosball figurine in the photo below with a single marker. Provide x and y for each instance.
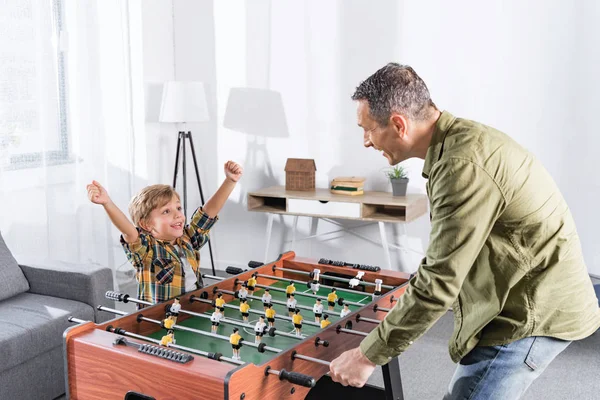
(314, 284)
(356, 280)
(377, 291)
(345, 311)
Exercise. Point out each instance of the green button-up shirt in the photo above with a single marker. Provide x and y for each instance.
(503, 252)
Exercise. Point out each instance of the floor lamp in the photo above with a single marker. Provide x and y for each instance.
(184, 102)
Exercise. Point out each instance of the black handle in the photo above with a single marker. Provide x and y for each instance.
(297, 378)
(254, 264)
(233, 270)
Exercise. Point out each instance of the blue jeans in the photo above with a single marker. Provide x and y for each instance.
(503, 372)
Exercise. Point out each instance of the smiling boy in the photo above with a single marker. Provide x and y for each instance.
(164, 250)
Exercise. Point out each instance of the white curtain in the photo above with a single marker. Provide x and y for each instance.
(65, 118)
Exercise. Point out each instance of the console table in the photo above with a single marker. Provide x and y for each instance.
(372, 207)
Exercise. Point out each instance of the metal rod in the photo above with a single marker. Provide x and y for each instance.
(351, 331)
(237, 322)
(311, 359)
(276, 289)
(123, 332)
(281, 317)
(281, 303)
(199, 332)
(370, 320)
(277, 278)
(333, 278)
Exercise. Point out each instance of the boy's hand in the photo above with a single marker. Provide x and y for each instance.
(97, 194)
(233, 171)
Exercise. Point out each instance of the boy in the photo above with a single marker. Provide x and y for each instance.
(163, 250)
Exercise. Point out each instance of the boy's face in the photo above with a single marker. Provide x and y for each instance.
(167, 222)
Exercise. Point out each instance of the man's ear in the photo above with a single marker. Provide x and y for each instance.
(400, 124)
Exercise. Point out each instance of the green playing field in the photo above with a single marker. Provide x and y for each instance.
(251, 354)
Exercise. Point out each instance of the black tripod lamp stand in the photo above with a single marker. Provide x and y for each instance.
(184, 102)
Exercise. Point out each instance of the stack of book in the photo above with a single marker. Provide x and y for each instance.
(348, 185)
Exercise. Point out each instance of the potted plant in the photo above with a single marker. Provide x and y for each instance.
(399, 178)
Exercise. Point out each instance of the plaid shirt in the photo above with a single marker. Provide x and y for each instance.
(160, 273)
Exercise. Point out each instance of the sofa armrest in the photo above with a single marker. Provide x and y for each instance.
(86, 283)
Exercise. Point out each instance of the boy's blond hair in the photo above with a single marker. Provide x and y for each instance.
(148, 199)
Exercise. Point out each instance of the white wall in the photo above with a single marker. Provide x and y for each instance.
(527, 69)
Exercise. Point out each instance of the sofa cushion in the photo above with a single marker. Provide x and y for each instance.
(12, 280)
(33, 324)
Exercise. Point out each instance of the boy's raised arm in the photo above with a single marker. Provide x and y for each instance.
(233, 173)
(98, 195)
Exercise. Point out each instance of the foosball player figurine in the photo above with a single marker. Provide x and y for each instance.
(175, 308)
(345, 311)
(331, 298)
(314, 284)
(266, 299)
(325, 322)
(215, 319)
(252, 283)
(259, 329)
(377, 291)
(244, 307)
(318, 310)
(297, 320)
(243, 292)
(290, 289)
(168, 338)
(356, 280)
(169, 321)
(220, 303)
(270, 313)
(236, 342)
(291, 305)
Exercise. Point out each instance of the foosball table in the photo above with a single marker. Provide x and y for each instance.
(182, 349)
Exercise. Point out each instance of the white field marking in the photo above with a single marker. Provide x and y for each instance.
(361, 300)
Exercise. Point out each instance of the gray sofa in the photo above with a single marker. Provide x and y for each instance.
(35, 302)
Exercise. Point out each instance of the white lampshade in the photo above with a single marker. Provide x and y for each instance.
(257, 112)
(183, 102)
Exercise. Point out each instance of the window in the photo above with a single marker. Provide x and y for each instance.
(33, 103)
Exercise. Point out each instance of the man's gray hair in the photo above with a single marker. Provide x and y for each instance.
(395, 88)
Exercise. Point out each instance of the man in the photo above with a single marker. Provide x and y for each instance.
(503, 252)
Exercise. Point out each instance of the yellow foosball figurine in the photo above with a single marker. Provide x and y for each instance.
(270, 314)
(236, 342)
(169, 321)
(252, 284)
(220, 303)
(331, 298)
(325, 322)
(244, 309)
(168, 338)
(297, 320)
(290, 289)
